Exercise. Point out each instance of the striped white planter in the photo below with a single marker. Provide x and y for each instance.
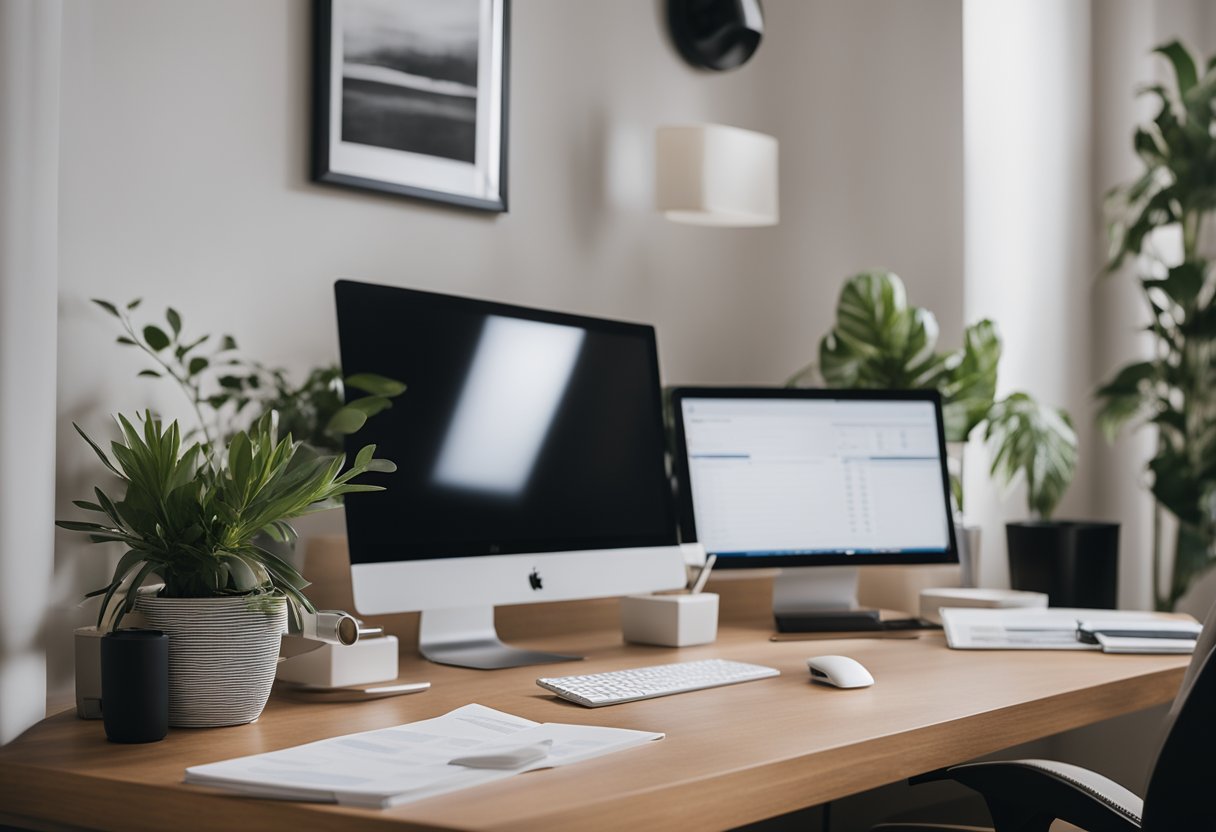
(222, 655)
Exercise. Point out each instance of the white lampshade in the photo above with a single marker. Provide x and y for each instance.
(711, 174)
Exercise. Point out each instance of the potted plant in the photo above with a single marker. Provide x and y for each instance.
(880, 341)
(226, 390)
(1175, 390)
(191, 518)
(1076, 563)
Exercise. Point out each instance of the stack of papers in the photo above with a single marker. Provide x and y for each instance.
(1069, 629)
(383, 768)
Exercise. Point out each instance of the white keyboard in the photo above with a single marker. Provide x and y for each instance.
(612, 688)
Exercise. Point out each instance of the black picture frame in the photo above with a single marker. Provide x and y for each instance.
(479, 183)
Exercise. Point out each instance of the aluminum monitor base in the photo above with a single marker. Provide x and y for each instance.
(465, 637)
(816, 599)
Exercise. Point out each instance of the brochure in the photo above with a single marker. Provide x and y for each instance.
(408, 762)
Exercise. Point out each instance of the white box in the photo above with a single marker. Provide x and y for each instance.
(88, 672)
(932, 600)
(341, 666)
(670, 620)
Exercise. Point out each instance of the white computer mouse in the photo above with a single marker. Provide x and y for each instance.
(839, 671)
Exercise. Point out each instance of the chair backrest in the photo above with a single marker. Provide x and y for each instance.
(1180, 790)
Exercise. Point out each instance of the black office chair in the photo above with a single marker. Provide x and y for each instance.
(1027, 795)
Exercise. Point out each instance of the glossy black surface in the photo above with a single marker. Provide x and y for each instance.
(716, 34)
(135, 685)
(597, 479)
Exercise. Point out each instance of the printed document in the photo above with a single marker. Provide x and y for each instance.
(408, 762)
(1054, 628)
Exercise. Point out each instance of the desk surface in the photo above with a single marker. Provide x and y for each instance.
(732, 755)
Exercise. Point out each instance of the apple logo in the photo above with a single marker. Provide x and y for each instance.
(534, 579)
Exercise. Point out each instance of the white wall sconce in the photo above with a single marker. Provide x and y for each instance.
(712, 174)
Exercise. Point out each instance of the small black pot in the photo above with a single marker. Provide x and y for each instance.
(135, 685)
(1075, 563)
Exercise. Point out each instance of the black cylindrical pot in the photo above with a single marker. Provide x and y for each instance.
(135, 685)
(1075, 563)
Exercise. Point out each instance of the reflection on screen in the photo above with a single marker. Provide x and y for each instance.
(520, 372)
(520, 430)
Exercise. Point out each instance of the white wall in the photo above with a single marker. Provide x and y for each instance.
(184, 159)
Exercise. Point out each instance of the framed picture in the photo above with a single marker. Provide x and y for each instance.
(411, 98)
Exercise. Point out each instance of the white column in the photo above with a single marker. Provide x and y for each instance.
(29, 184)
(1029, 220)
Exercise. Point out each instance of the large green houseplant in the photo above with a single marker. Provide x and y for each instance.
(880, 341)
(190, 517)
(1175, 390)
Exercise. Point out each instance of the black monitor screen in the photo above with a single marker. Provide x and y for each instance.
(520, 431)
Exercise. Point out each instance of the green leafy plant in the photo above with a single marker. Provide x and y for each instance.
(881, 342)
(316, 410)
(226, 390)
(1175, 391)
(1036, 443)
(192, 520)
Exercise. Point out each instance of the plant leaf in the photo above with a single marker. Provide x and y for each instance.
(156, 337)
(374, 384)
(346, 421)
(109, 307)
(1186, 74)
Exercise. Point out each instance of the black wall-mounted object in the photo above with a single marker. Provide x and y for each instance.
(716, 34)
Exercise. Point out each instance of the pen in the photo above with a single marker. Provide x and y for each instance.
(703, 575)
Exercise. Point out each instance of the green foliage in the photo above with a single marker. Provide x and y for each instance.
(881, 342)
(1176, 389)
(227, 391)
(192, 521)
(316, 410)
(1036, 443)
(184, 361)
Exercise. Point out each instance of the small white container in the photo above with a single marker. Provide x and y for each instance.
(88, 672)
(366, 661)
(670, 620)
(932, 600)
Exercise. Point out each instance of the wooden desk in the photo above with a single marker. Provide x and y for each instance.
(732, 755)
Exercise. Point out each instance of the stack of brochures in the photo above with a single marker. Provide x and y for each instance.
(1057, 628)
(383, 768)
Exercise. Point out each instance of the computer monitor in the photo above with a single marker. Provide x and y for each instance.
(530, 465)
(832, 479)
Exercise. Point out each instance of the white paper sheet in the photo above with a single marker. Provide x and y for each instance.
(408, 762)
(1054, 628)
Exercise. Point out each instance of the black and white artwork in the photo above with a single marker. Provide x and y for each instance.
(411, 98)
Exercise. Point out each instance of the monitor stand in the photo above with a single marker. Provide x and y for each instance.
(465, 637)
(820, 599)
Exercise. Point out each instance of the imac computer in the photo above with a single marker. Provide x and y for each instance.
(530, 465)
(830, 479)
